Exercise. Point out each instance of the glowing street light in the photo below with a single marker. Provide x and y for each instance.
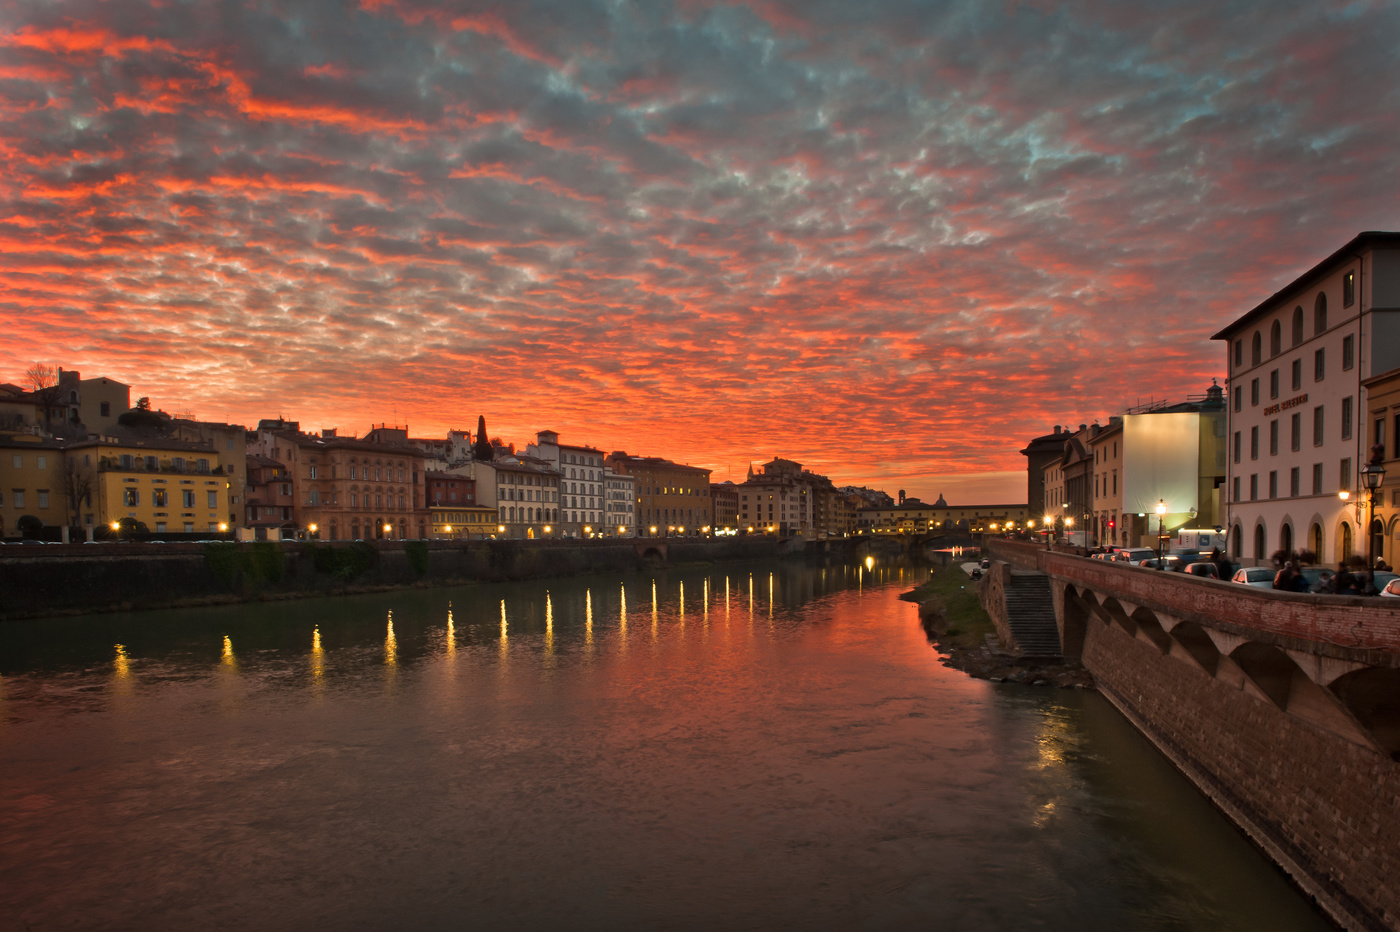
(1161, 537)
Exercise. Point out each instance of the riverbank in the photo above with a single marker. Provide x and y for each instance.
(80, 579)
(956, 624)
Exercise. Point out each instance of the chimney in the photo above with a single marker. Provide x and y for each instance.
(1057, 428)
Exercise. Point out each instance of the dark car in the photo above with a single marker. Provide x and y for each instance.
(1203, 568)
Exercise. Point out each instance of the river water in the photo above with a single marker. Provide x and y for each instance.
(757, 747)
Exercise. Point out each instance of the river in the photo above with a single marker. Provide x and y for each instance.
(771, 746)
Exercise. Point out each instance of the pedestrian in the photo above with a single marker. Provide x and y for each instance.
(1344, 583)
(1283, 579)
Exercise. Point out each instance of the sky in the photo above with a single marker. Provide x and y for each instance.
(892, 240)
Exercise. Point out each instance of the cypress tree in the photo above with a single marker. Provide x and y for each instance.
(481, 450)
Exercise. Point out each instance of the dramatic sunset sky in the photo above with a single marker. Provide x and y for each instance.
(891, 240)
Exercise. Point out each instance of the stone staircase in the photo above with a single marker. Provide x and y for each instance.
(1030, 613)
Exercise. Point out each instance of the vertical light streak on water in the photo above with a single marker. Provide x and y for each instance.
(682, 604)
(770, 596)
(588, 617)
(504, 637)
(751, 601)
(121, 673)
(391, 644)
(705, 602)
(654, 616)
(726, 599)
(450, 640)
(548, 624)
(622, 621)
(318, 663)
(860, 580)
(227, 661)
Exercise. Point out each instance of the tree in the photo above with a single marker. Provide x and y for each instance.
(481, 450)
(143, 416)
(77, 485)
(42, 380)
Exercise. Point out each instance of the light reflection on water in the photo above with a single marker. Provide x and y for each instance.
(496, 756)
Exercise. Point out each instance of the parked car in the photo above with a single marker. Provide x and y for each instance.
(1133, 554)
(1261, 577)
(1392, 588)
(1203, 568)
(1318, 577)
(1170, 563)
(1385, 580)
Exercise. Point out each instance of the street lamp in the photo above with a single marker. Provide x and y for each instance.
(1161, 518)
(1049, 529)
(1373, 476)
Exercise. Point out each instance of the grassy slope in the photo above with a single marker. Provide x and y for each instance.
(955, 595)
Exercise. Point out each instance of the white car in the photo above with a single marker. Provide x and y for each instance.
(1260, 576)
(1392, 588)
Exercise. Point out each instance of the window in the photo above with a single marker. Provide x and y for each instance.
(1344, 481)
(1273, 384)
(1254, 392)
(43, 498)
(1254, 443)
(1239, 397)
(1239, 353)
(1275, 339)
(1256, 349)
(1320, 314)
(1317, 479)
(1297, 325)
(1346, 418)
(1297, 374)
(187, 497)
(1319, 365)
(1317, 426)
(1295, 482)
(1273, 437)
(105, 409)
(1377, 434)
(1237, 446)
(1273, 483)
(1254, 487)
(42, 462)
(1235, 490)
(1348, 351)
(160, 498)
(213, 499)
(1349, 289)
(1296, 432)
(131, 498)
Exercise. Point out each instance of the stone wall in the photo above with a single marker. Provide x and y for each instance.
(52, 579)
(1326, 809)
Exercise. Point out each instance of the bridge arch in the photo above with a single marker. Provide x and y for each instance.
(1372, 696)
(1075, 621)
(1197, 645)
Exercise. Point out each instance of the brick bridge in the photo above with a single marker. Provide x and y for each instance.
(1283, 708)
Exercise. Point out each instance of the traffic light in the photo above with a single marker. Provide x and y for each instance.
(1112, 524)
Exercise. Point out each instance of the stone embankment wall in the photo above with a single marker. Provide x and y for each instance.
(1322, 801)
(50, 580)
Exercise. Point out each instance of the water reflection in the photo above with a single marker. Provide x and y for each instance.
(821, 771)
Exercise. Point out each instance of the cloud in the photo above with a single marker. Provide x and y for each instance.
(891, 240)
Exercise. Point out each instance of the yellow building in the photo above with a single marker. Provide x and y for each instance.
(31, 483)
(915, 517)
(170, 486)
(463, 522)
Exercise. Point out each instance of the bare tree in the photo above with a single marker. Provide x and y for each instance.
(42, 380)
(78, 483)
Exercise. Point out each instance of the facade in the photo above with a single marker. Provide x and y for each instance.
(784, 498)
(916, 517)
(672, 499)
(1040, 453)
(231, 441)
(170, 486)
(1298, 364)
(582, 509)
(345, 488)
(100, 402)
(725, 499)
(620, 503)
(1110, 524)
(462, 522)
(268, 501)
(527, 497)
(1383, 521)
(32, 483)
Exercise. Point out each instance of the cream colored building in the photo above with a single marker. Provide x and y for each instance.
(1383, 430)
(31, 482)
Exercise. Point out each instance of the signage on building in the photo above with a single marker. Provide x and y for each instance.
(1290, 403)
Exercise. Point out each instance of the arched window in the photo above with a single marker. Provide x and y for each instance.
(1236, 541)
(1259, 538)
(1285, 539)
(1275, 339)
(1320, 314)
(1256, 349)
(1297, 325)
(1315, 541)
(1344, 543)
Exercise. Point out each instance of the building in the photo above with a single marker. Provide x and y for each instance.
(268, 501)
(231, 441)
(1040, 453)
(169, 486)
(1298, 364)
(940, 518)
(672, 499)
(34, 484)
(100, 402)
(1383, 419)
(527, 496)
(725, 502)
(347, 488)
(619, 503)
(581, 501)
(784, 498)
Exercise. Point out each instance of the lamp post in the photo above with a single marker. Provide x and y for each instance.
(1049, 529)
(1161, 536)
(1372, 475)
